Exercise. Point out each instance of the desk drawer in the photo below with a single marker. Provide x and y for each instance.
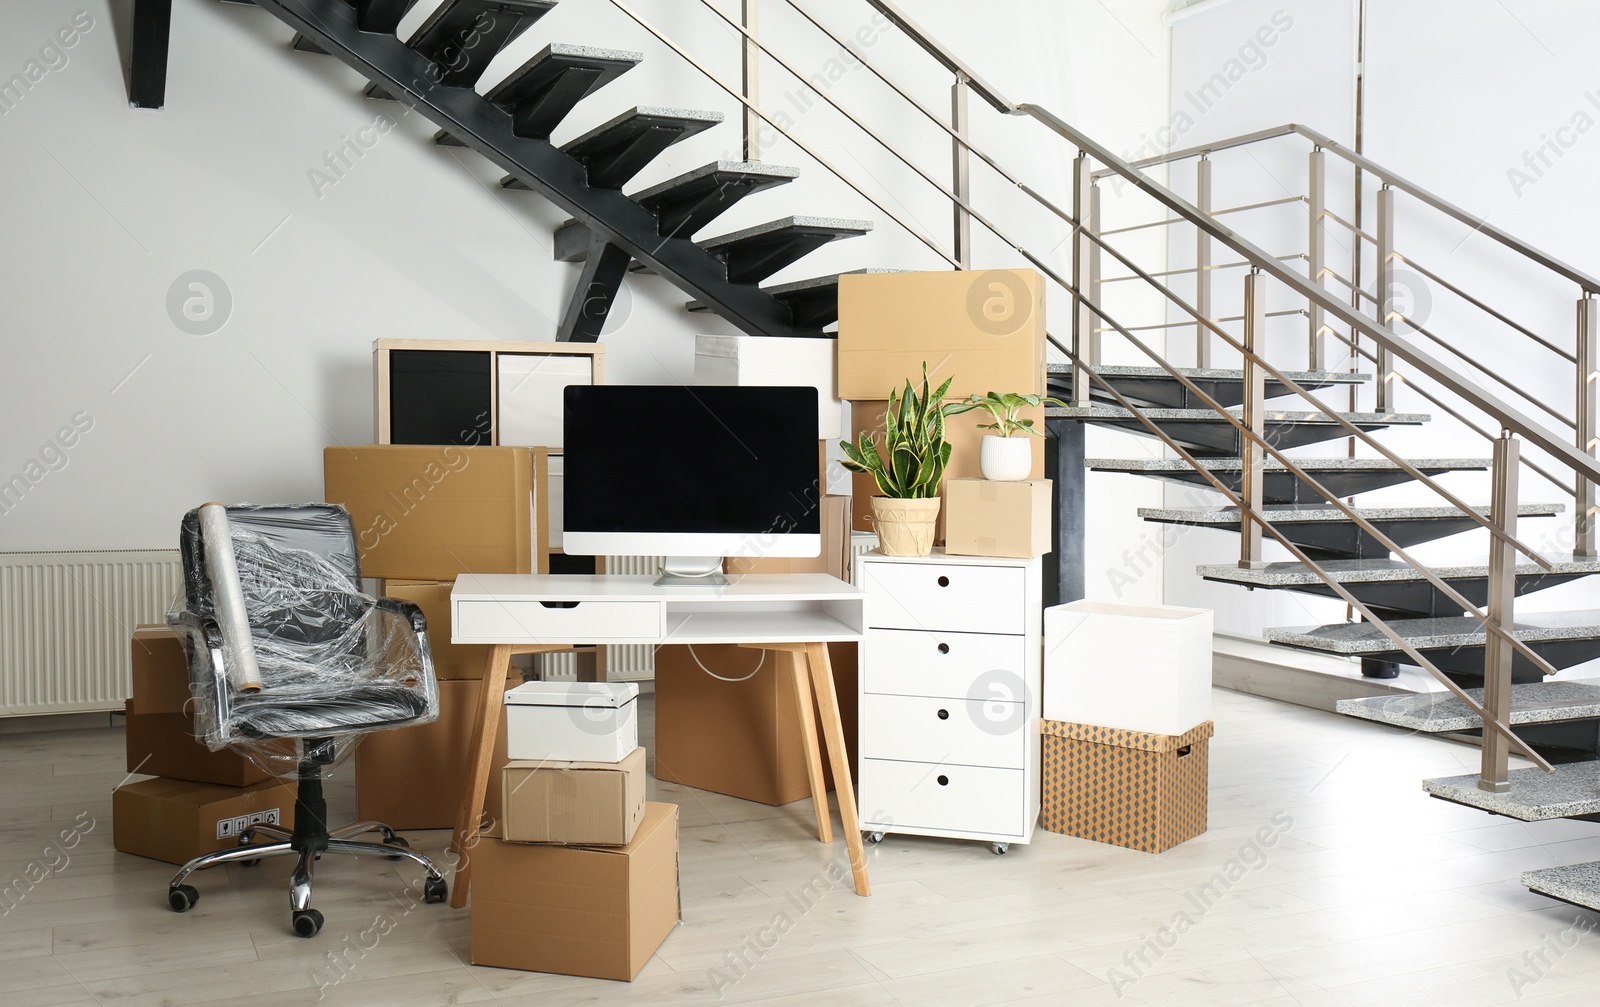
(936, 596)
(921, 795)
(908, 662)
(536, 622)
(959, 731)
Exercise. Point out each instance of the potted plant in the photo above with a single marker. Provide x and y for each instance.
(909, 471)
(1003, 456)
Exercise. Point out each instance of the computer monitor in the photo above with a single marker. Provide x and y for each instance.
(692, 473)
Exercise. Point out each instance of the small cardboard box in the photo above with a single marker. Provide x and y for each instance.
(983, 328)
(1145, 792)
(176, 821)
(432, 513)
(774, 361)
(834, 558)
(412, 777)
(739, 734)
(450, 661)
(988, 518)
(1162, 657)
(572, 721)
(160, 671)
(575, 910)
(573, 803)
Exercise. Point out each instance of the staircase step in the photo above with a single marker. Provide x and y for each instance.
(1441, 712)
(546, 86)
(1455, 644)
(302, 44)
(463, 36)
(1207, 432)
(755, 253)
(1392, 586)
(615, 151)
(1326, 533)
(687, 203)
(1343, 477)
(814, 302)
(1577, 885)
(1572, 791)
(1153, 386)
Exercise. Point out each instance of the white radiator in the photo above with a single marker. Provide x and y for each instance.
(634, 662)
(66, 619)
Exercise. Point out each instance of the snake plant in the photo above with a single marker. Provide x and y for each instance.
(913, 439)
(1004, 409)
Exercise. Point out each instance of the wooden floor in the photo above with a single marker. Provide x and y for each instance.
(1371, 893)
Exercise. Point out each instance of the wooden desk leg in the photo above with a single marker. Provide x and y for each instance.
(485, 731)
(801, 679)
(839, 758)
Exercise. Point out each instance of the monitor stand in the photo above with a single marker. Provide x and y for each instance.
(691, 571)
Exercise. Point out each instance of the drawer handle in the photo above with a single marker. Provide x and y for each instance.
(944, 648)
(944, 714)
(944, 781)
(944, 581)
(559, 604)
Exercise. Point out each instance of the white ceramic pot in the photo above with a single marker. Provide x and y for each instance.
(905, 527)
(1005, 459)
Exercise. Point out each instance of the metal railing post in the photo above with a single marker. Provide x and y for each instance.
(961, 170)
(1386, 307)
(1085, 263)
(1202, 263)
(1497, 655)
(750, 76)
(1252, 459)
(1586, 415)
(1316, 251)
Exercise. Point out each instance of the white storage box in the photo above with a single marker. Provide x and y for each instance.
(1132, 667)
(768, 360)
(572, 721)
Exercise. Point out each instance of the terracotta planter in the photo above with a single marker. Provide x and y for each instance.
(1005, 459)
(905, 527)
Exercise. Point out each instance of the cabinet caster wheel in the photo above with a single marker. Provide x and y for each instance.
(435, 890)
(307, 922)
(182, 898)
(999, 848)
(400, 841)
(872, 838)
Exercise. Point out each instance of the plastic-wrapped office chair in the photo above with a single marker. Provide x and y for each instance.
(333, 664)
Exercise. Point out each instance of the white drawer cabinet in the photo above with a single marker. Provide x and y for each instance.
(949, 697)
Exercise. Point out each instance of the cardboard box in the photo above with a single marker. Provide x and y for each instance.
(572, 721)
(451, 661)
(573, 803)
(835, 555)
(160, 672)
(988, 518)
(966, 442)
(774, 361)
(1134, 667)
(983, 328)
(1141, 791)
(740, 738)
(575, 910)
(176, 821)
(432, 513)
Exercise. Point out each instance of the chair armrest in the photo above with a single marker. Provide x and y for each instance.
(204, 627)
(406, 609)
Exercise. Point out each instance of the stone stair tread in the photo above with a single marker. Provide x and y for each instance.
(799, 286)
(1571, 791)
(716, 167)
(493, 87)
(1210, 373)
(1434, 633)
(1350, 571)
(645, 112)
(1227, 516)
(1436, 712)
(1099, 411)
(784, 224)
(1305, 464)
(1576, 884)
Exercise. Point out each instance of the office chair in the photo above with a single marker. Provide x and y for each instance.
(333, 664)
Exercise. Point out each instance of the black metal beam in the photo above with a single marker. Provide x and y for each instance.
(1064, 462)
(413, 79)
(152, 33)
(596, 292)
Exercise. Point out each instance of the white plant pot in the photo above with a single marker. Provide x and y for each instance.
(1005, 459)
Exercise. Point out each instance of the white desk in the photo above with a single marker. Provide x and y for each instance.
(798, 614)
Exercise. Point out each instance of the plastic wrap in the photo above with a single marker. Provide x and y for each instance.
(334, 663)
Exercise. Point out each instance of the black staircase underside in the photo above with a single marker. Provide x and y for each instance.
(1205, 432)
(407, 75)
(1152, 386)
(1343, 477)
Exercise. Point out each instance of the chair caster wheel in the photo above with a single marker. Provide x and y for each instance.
(397, 841)
(874, 838)
(435, 890)
(182, 898)
(307, 922)
(999, 848)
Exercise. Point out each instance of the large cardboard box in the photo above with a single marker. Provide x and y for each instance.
(1162, 660)
(599, 912)
(1141, 791)
(176, 821)
(451, 661)
(988, 518)
(983, 328)
(432, 513)
(833, 559)
(411, 777)
(966, 442)
(732, 732)
(774, 361)
(573, 803)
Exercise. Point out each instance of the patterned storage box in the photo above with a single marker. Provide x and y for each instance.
(1142, 791)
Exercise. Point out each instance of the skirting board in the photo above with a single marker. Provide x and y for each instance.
(1258, 668)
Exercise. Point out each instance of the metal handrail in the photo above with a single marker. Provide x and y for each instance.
(1446, 284)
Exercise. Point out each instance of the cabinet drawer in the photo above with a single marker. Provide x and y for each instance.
(957, 599)
(534, 622)
(960, 731)
(923, 795)
(909, 662)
